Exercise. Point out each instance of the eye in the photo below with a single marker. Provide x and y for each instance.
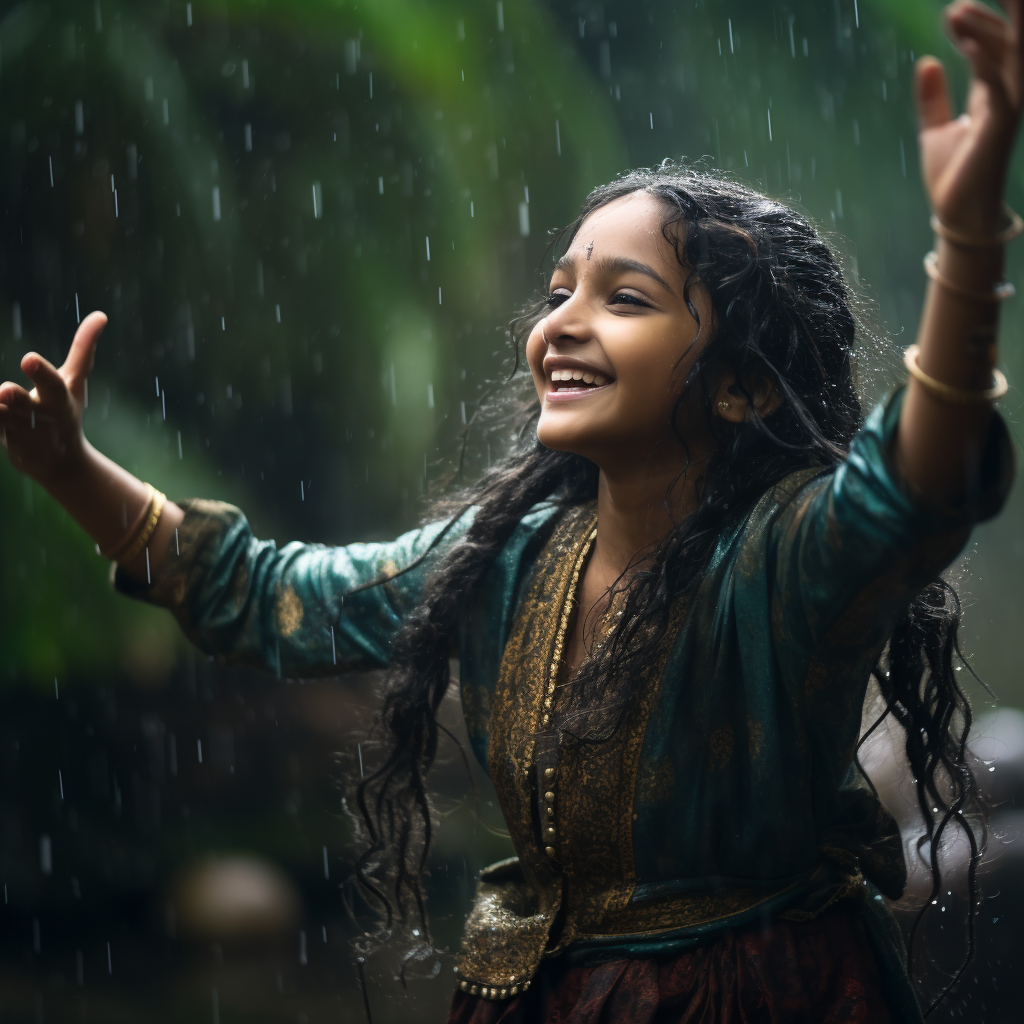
(627, 299)
(557, 297)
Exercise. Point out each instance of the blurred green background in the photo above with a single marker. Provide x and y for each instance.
(309, 222)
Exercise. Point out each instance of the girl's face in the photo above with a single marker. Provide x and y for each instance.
(612, 356)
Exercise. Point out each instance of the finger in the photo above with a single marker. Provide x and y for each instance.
(970, 9)
(48, 381)
(932, 93)
(969, 21)
(15, 398)
(986, 40)
(15, 419)
(82, 353)
(21, 417)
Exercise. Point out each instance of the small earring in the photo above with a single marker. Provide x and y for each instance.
(725, 405)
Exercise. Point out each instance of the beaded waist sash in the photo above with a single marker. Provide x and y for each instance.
(512, 926)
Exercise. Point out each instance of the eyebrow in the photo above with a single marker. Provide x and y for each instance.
(616, 264)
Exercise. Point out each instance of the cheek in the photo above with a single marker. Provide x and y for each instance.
(649, 384)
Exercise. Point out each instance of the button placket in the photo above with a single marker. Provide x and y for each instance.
(547, 822)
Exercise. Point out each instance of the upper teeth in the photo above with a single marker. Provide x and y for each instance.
(584, 375)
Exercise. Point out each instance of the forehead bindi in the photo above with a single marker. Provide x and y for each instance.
(628, 230)
(630, 227)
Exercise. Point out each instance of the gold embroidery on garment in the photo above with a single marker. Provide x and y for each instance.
(591, 876)
(189, 555)
(289, 612)
(655, 782)
(507, 931)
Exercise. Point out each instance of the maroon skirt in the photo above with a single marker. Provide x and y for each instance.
(816, 972)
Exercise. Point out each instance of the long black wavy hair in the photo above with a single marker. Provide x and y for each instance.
(782, 312)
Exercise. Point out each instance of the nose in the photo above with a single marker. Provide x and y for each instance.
(566, 323)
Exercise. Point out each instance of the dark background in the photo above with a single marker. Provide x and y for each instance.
(247, 189)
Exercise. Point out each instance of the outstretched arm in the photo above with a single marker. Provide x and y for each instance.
(302, 610)
(964, 163)
(42, 432)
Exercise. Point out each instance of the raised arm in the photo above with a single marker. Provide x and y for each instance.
(42, 432)
(946, 418)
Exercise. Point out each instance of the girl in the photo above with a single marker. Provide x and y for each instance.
(667, 601)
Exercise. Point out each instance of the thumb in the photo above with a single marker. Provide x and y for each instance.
(82, 353)
(932, 93)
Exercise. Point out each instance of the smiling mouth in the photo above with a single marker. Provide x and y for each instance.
(577, 381)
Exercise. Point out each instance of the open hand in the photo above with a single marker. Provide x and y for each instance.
(964, 160)
(42, 428)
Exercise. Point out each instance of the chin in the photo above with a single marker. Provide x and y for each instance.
(561, 440)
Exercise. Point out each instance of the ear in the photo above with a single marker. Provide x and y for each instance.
(731, 403)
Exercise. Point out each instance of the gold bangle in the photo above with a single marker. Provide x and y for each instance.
(155, 511)
(1002, 291)
(142, 531)
(131, 533)
(948, 393)
(1012, 230)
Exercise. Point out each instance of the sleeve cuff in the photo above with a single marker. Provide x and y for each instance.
(189, 552)
(995, 477)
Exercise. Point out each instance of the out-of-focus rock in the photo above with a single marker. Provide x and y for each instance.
(235, 897)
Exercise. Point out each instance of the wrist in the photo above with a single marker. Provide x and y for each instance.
(978, 269)
(77, 473)
(982, 214)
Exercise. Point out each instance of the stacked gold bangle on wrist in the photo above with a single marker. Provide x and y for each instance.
(139, 536)
(1002, 291)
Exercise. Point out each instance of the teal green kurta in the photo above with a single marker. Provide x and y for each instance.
(745, 777)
